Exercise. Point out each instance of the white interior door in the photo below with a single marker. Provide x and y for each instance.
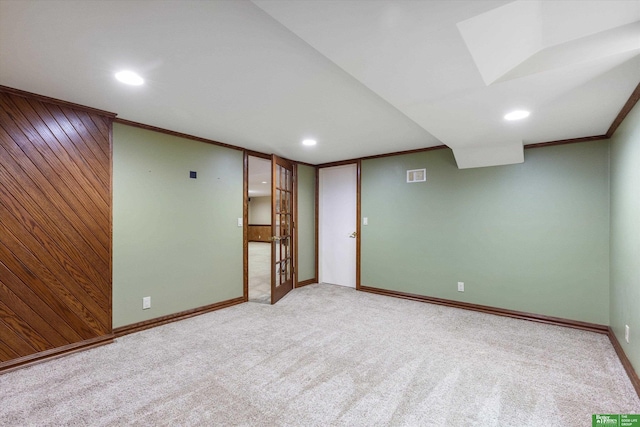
(337, 225)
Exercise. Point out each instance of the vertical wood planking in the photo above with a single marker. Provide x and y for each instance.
(55, 225)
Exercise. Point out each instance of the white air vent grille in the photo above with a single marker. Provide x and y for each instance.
(416, 175)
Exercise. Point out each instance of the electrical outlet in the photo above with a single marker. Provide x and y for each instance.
(146, 303)
(626, 333)
(460, 286)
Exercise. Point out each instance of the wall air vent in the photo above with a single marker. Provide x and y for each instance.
(416, 175)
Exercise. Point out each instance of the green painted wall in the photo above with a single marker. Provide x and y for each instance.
(625, 234)
(174, 238)
(306, 223)
(531, 237)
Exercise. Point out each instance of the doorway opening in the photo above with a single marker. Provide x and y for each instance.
(259, 230)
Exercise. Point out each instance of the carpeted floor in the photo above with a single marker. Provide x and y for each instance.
(260, 272)
(329, 355)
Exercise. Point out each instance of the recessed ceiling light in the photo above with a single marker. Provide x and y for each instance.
(264, 182)
(309, 142)
(130, 78)
(516, 115)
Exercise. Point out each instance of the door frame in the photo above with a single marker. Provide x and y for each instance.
(245, 221)
(358, 164)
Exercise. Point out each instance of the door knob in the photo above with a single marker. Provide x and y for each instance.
(274, 238)
(353, 235)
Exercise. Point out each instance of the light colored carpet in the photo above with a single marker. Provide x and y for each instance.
(260, 272)
(329, 355)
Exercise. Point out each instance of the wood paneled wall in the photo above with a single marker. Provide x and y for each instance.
(259, 233)
(55, 228)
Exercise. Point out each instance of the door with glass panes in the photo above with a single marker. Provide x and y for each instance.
(282, 228)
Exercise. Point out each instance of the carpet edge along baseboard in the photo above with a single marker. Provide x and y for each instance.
(158, 321)
(558, 321)
(626, 363)
(44, 356)
(593, 327)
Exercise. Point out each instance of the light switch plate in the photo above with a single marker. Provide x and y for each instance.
(239, 222)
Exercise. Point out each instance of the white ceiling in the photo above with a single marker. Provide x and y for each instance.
(361, 77)
(259, 177)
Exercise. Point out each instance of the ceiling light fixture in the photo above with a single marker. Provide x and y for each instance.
(516, 115)
(264, 182)
(309, 142)
(129, 78)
